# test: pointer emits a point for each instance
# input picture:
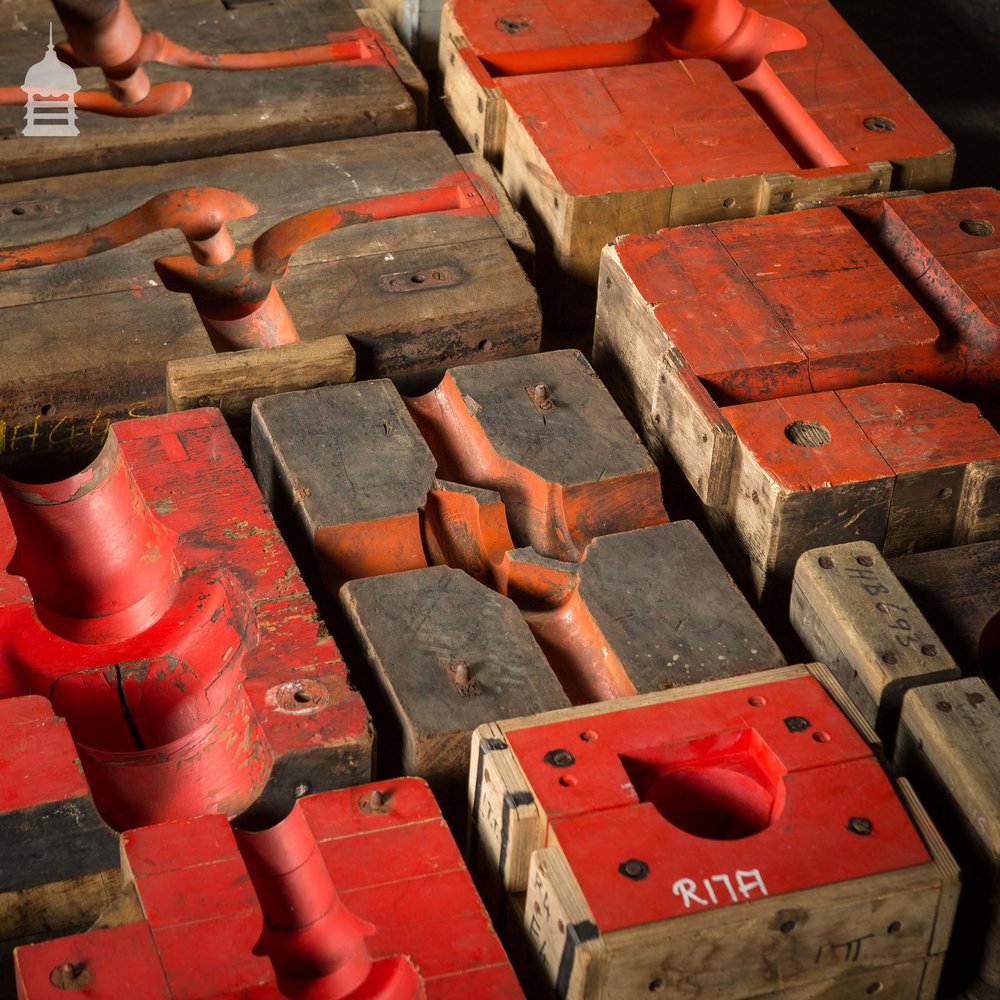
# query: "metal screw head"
(634, 869)
(976, 227)
(559, 758)
(513, 25)
(71, 976)
(376, 802)
(825, 562)
(879, 123)
(861, 825)
(797, 723)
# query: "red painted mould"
(684, 91)
(162, 615)
(384, 846)
(716, 795)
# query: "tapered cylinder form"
(309, 934)
(99, 564)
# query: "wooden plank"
(231, 382)
(228, 111)
(413, 295)
(854, 615)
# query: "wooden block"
(378, 91)
(448, 655)
(947, 746)
(394, 865)
(231, 382)
(569, 98)
(632, 881)
(776, 369)
(855, 616)
(58, 858)
(412, 295)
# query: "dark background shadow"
(946, 53)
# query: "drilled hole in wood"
(976, 227)
(807, 434)
(47, 409)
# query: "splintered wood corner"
(498, 544)
(378, 91)
(818, 377)
(394, 866)
(298, 724)
(401, 297)
(606, 121)
(620, 834)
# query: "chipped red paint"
(141, 657)
(158, 611)
(395, 866)
(233, 288)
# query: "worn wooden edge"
(57, 907)
(404, 67)
(232, 381)
(511, 224)
(625, 962)
(561, 931)
(925, 173)
(791, 192)
(826, 610)
(956, 764)
(836, 691)
(944, 862)
(656, 388)
(476, 106)
(506, 824)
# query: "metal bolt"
(797, 723)
(462, 672)
(861, 825)
(929, 650)
(559, 758)
(825, 562)
(879, 123)
(71, 976)
(976, 227)
(377, 798)
(890, 658)
(634, 869)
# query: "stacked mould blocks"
(479, 595)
